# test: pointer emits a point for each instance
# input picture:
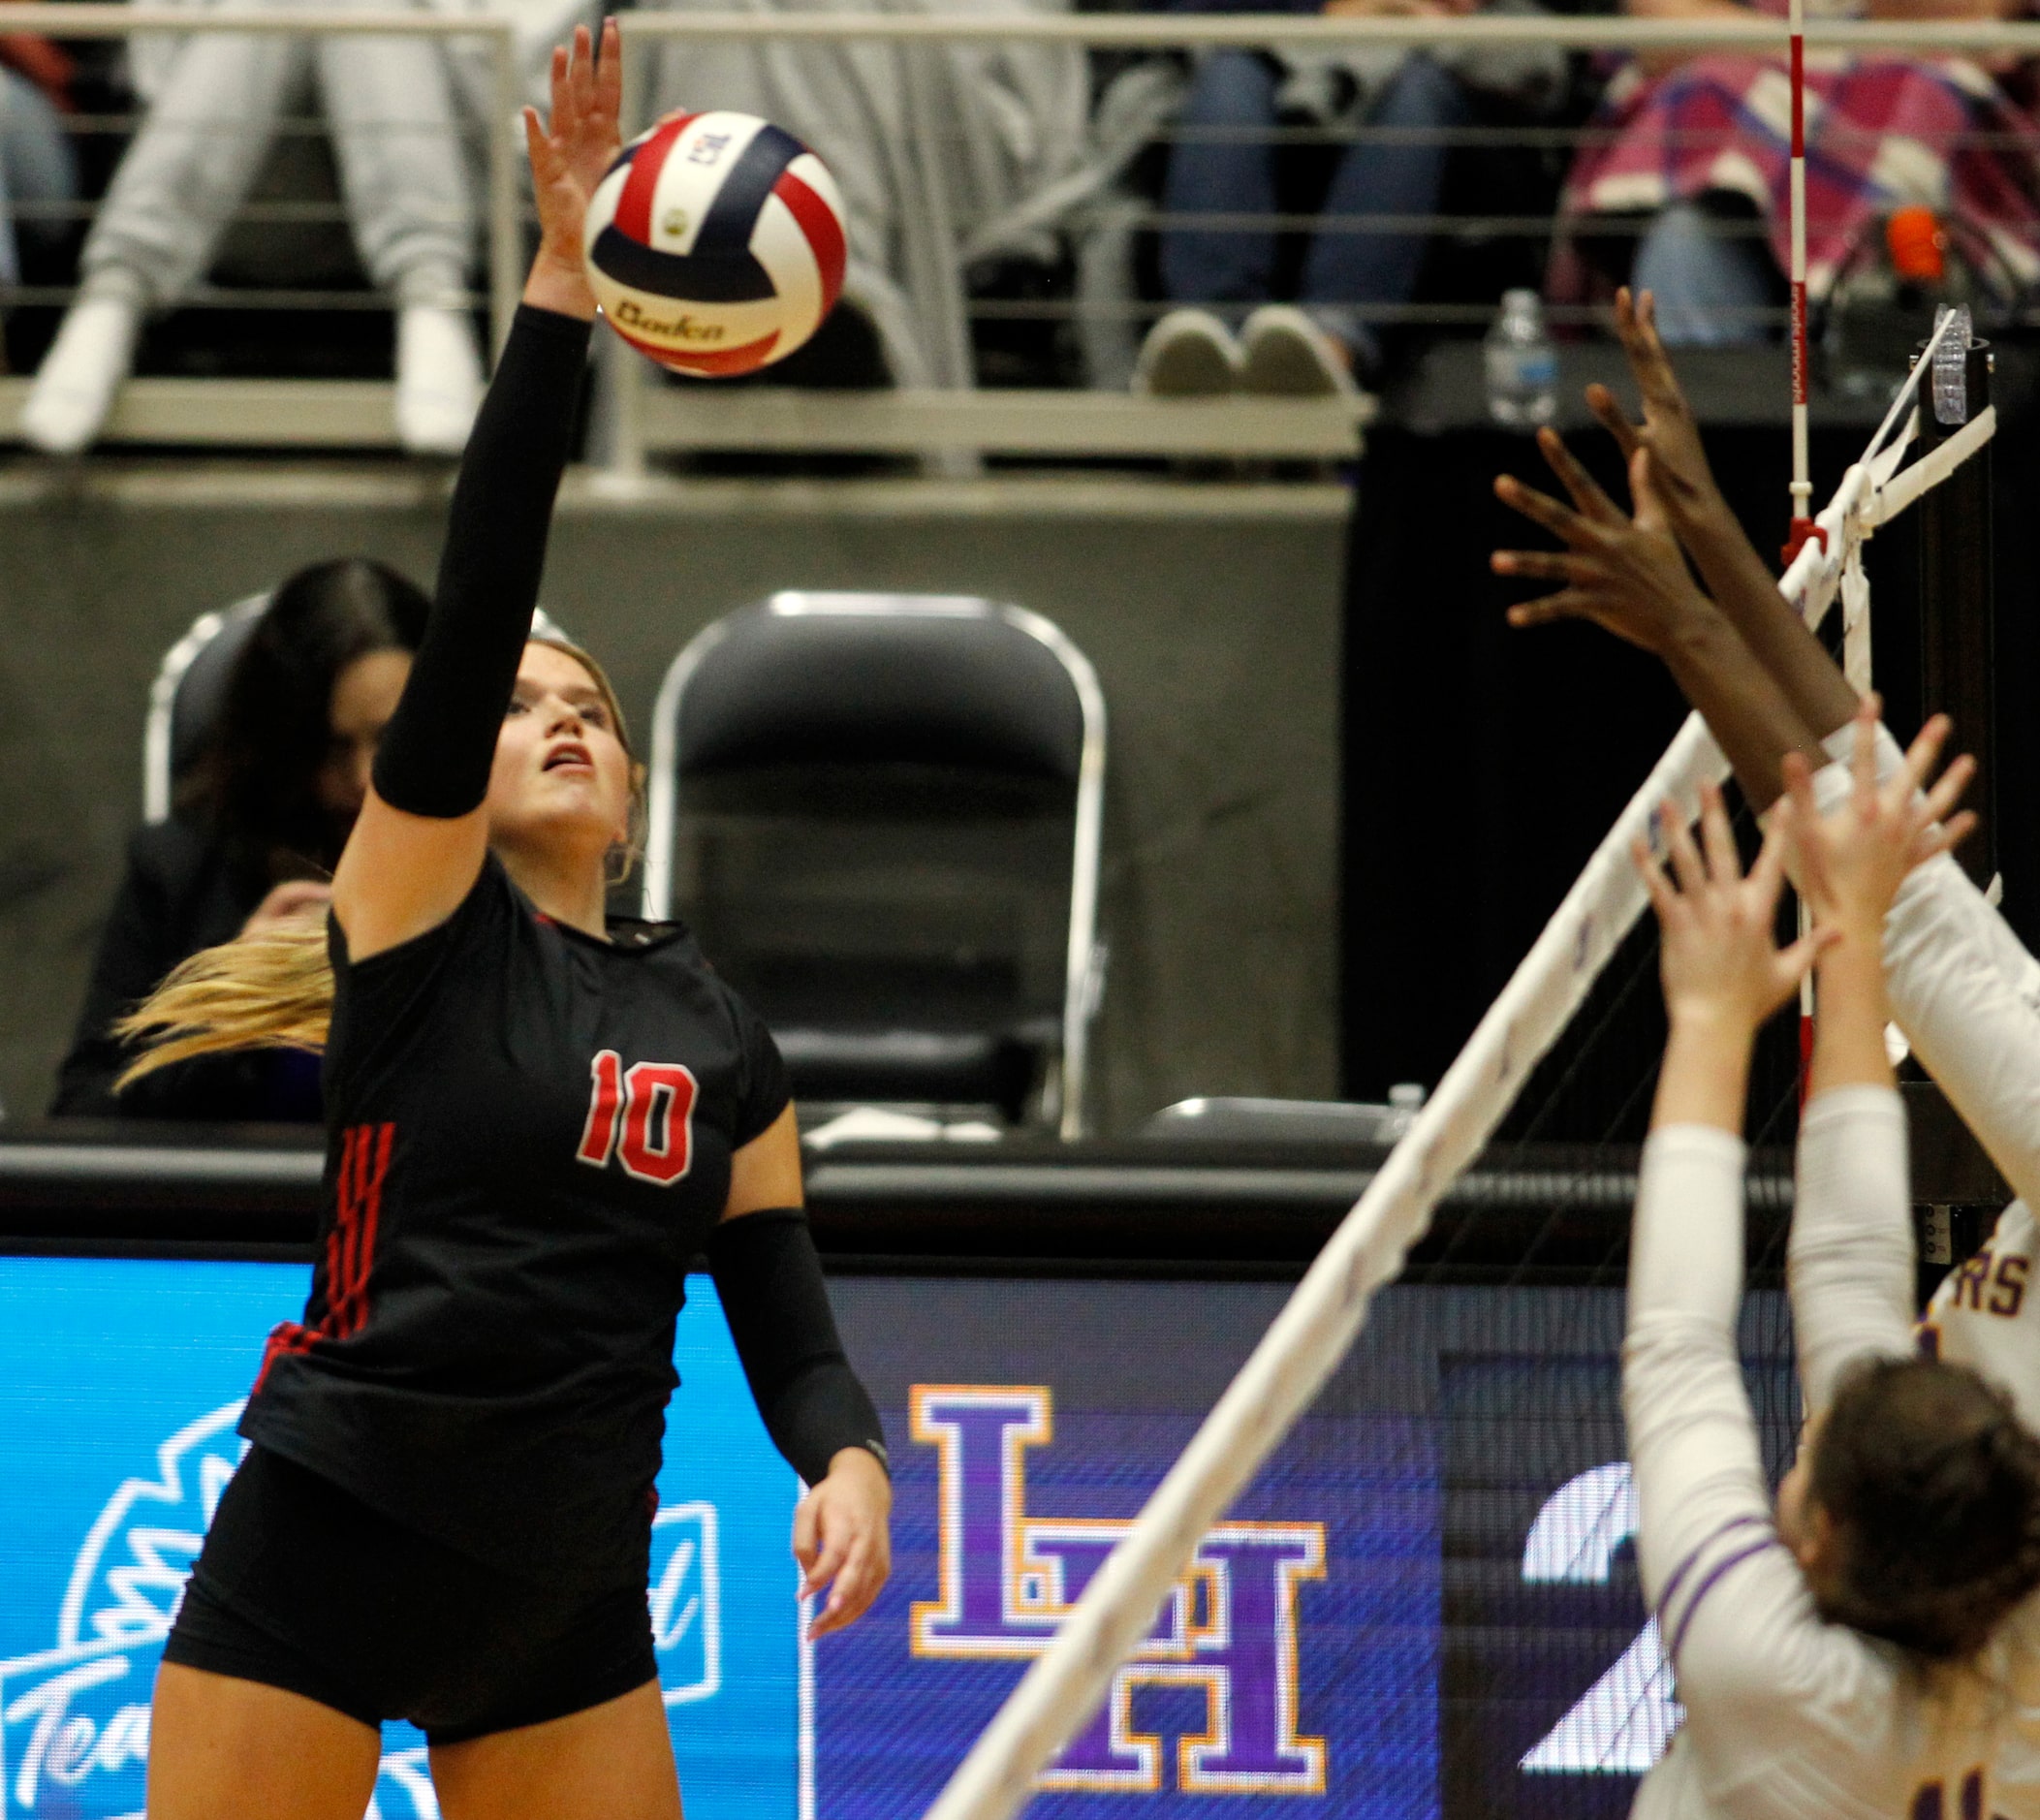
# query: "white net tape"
(1312, 1334)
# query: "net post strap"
(1308, 1340)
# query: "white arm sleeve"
(1850, 1261)
(1964, 989)
(1786, 1716)
(1692, 1439)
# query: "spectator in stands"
(397, 131)
(257, 830)
(1400, 106)
(37, 168)
(1700, 146)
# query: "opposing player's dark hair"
(1933, 1485)
(256, 784)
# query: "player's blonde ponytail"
(271, 988)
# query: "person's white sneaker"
(438, 379)
(1189, 354)
(1285, 355)
(83, 372)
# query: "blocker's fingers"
(1569, 602)
(1863, 759)
(1767, 877)
(1924, 752)
(1686, 855)
(1608, 414)
(1655, 886)
(1723, 863)
(1536, 565)
(1540, 507)
(1637, 330)
(1585, 491)
(1956, 830)
(1948, 791)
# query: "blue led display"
(1397, 1619)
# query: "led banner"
(1425, 1605)
(120, 1383)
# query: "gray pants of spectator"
(390, 105)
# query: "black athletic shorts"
(302, 1587)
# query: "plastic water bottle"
(1522, 363)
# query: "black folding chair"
(882, 814)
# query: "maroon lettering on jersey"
(598, 1137)
(658, 1122)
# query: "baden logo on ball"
(716, 243)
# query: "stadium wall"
(1213, 613)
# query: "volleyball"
(716, 243)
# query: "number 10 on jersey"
(642, 1115)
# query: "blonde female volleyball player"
(1833, 1653)
(536, 1119)
(1964, 989)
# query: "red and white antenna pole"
(1803, 526)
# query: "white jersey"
(1789, 1718)
(1967, 995)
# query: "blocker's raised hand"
(1720, 962)
(572, 150)
(1685, 481)
(1625, 574)
(1851, 861)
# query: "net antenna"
(1802, 525)
(1303, 1345)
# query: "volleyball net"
(1591, 957)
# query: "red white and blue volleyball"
(716, 243)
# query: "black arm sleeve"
(435, 755)
(769, 1277)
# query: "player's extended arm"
(1851, 1254)
(1625, 574)
(1961, 987)
(1739, 580)
(817, 1411)
(417, 845)
(1692, 1439)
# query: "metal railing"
(642, 417)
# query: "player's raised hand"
(1686, 481)
(1850, 863)
(1623, 573)
(570, 152)
(1717, 953)
(843, 1539)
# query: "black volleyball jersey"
(530, 1138)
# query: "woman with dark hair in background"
(258, 828)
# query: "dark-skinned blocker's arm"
(1627, 575)
(1737, 576)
